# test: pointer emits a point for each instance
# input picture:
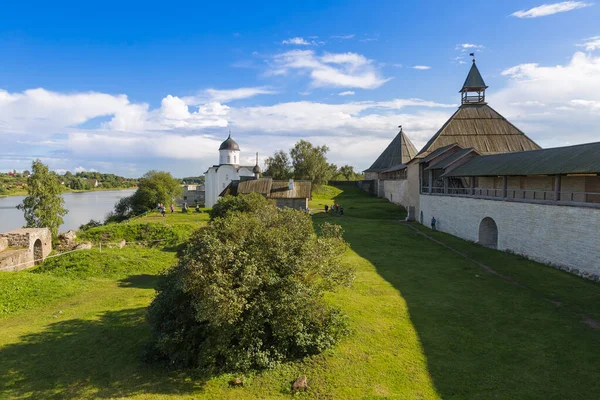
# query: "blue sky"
(124, 87)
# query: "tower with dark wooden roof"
(475, 124)
(399, 151)
(473, 90)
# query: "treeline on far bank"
(16, 182)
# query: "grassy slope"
(426, 324)
(62, 277)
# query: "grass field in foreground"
(427, 324)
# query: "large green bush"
(248, 293)
(241, 203)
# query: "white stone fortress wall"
(396, 191)
(563, 236)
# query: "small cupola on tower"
(229, 152)
(473, 90)
(256, 170)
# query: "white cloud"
(347, 93)
(132, 137)
(549, 9)
(464, 47)
(224, 96)
(83, 169)
(350, 70)
(45, 111)
(591, 44)
(298, 41)
(343, 37)
(556, 104)
(592, 105)
(422, 67)
(369, 38)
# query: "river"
(82, 207)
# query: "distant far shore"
(24, 192)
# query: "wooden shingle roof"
(269, 188)
(474, 80)
(481, 127)
(280, 190)
(399, 151)
(579, 159)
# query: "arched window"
(229, 159)
(235, 159)
(488, 233)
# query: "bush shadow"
(99, 358)
(142, 281)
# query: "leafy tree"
(348, 172)
(43, 206)
(242, 203)
(278, 166)
(247, 293)
(153, 188)
(310, 162)
(198, 180)
(80, 184)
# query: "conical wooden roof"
(399, 151)
(474, 81)
(479, 126)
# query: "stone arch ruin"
(24, 248)
(38, 252)
(488, 233)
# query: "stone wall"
(26, 246)
(192, 197)
(396, 191)
(562, 236)
(369, 186)
(15, 260)
(298, 204)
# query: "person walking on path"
(433, 221)
(172, 208)
(326, 208)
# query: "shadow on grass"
(143, 281)
(87, 358)
(483, 337)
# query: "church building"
(229, 169)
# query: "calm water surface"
(82, 207)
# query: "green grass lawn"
(191, 217)
(356, 203)
(426, 324)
